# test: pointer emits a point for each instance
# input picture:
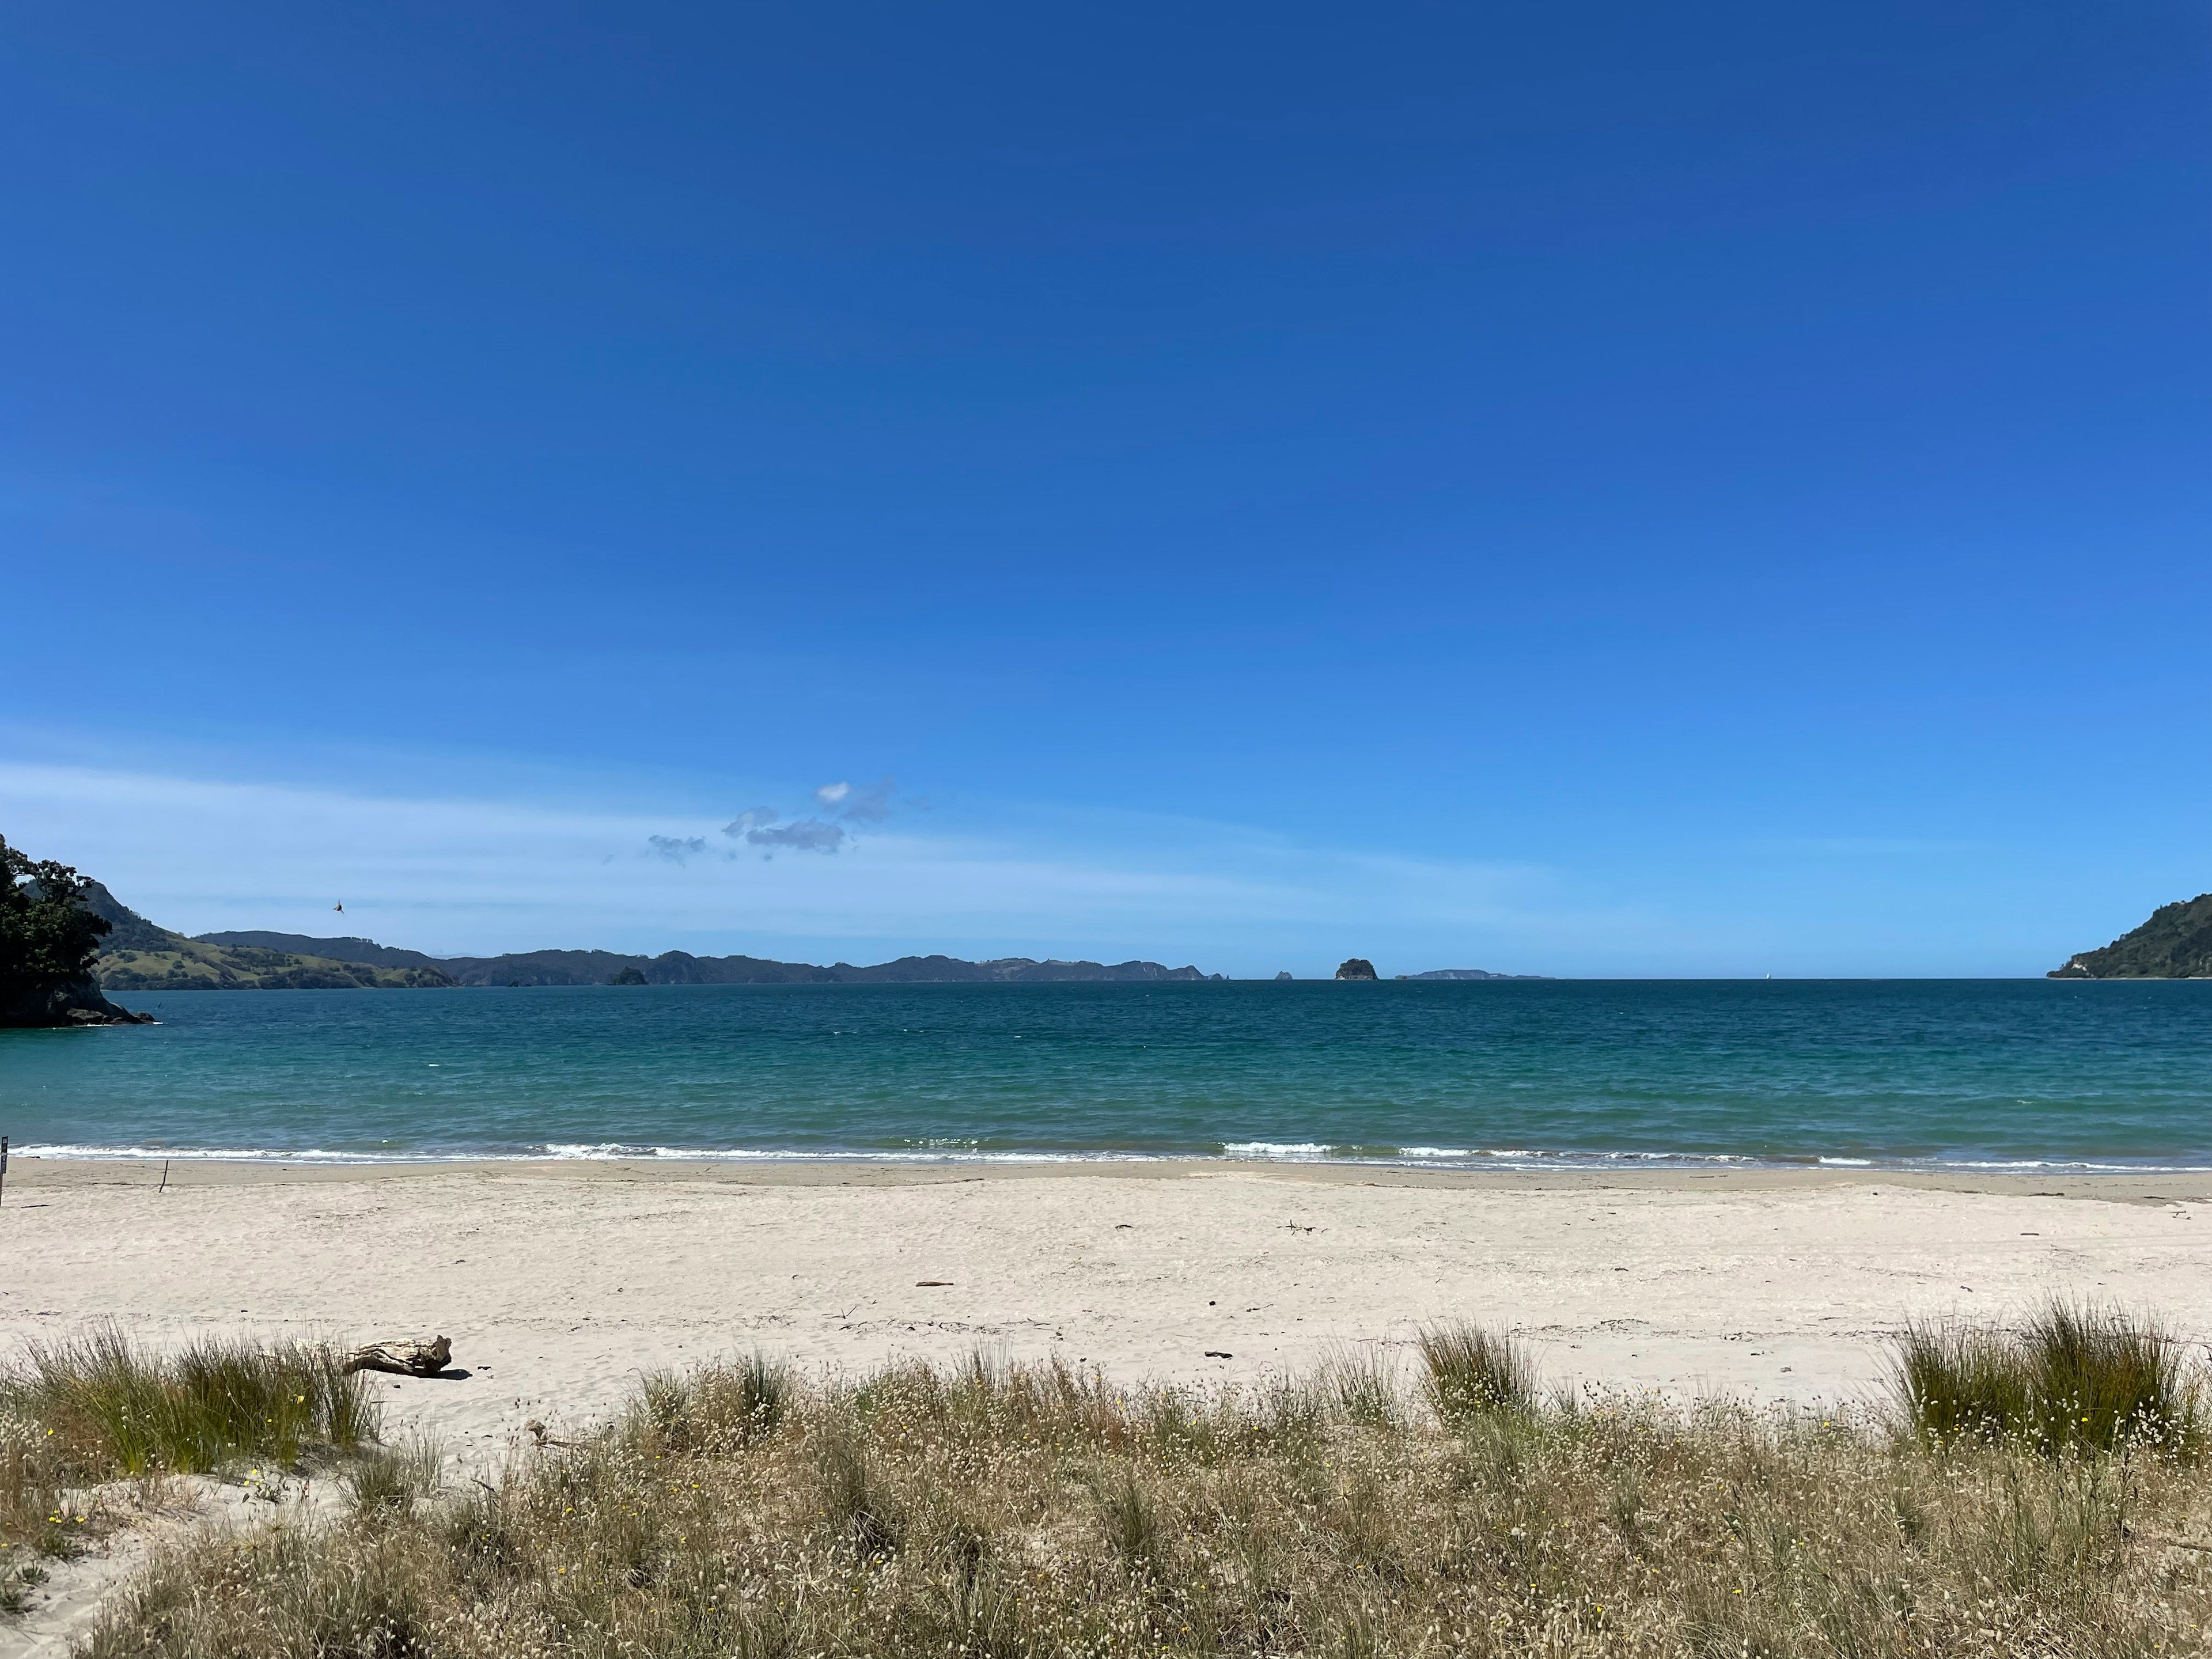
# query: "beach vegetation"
(1471, 1372)
(387, 1480)
(92, 1428)
(2071, 1375)
(117, 1409)
(994, 1508)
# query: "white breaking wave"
(1297, 1151)
(245, 1155)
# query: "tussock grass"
(76, 1414)
(720, 1406)
(386, 1481)
(1472, 1372)
(1001, 1510)
(2073, 1376)
(123, 1410)
(1363, 1384)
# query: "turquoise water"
(1984, 1073)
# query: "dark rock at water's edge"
(2176, 943)
(630, 977)
(1469, 973)
(1355, 967)
(76, 1004)
(1284, 977)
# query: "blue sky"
(1586, 489)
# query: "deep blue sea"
(1981, 1073)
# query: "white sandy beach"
(559, 1283)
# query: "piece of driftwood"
(404, 1358)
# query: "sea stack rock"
(1355, 967)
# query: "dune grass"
(998, 1509)
(2073, 1376)
(1469, 1373)
(75, 1415)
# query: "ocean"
(1986, 1074)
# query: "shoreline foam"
(1233, 1155)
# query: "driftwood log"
(404, 1358)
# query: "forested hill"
(2176, 943)
(138, 955)
(681, 968)
(364, 950)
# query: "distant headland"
(1469, 973)
(138, 955)
(2176, 943)
(527, 967)
(127, 953)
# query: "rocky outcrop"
(77, 1004)
(50, 934)
(1355, 967)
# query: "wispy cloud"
(844, 806)
(760, 826)
(676, 849)
(807, 836)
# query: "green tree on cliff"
(47, 936)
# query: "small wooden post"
(4, 1166)
(164, 1187)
